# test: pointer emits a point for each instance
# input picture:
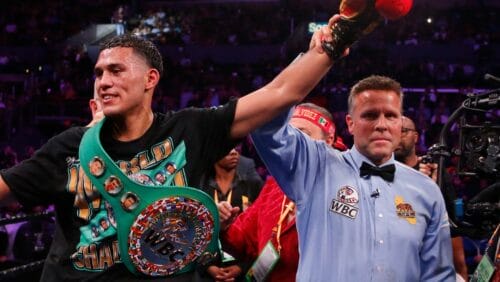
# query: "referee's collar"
(359, 158)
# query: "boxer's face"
(375, 123)
(129, 202)
(104, 224)
(95, 167)
(170, 168)
(160, 177)
(121, 80)
(115, 183)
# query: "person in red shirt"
(271, 218)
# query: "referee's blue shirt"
(353, 228)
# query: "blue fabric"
(353, 228)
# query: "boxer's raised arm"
(286, 89)
(328, 44)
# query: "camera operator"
(406, 153)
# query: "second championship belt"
(162, 230)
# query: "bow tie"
(386, 172)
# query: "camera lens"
(475, 143)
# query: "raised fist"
(357, 18)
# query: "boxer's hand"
(357, 18)
(227, 214)
(324, 34)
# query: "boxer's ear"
(152, 78)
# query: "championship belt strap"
(162, 230)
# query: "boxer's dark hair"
(142, 47)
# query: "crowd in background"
(52, 95)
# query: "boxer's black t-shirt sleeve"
(39, 180)
(212, 127)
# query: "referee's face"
(375, 123)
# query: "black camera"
(479, 149)
(433, 154)
(479, 158)
(426, 159)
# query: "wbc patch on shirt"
(405, 210)
(346, 202)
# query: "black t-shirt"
(54, 176)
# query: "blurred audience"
(41, 98)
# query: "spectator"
(120, 19)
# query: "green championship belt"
(162, 230)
